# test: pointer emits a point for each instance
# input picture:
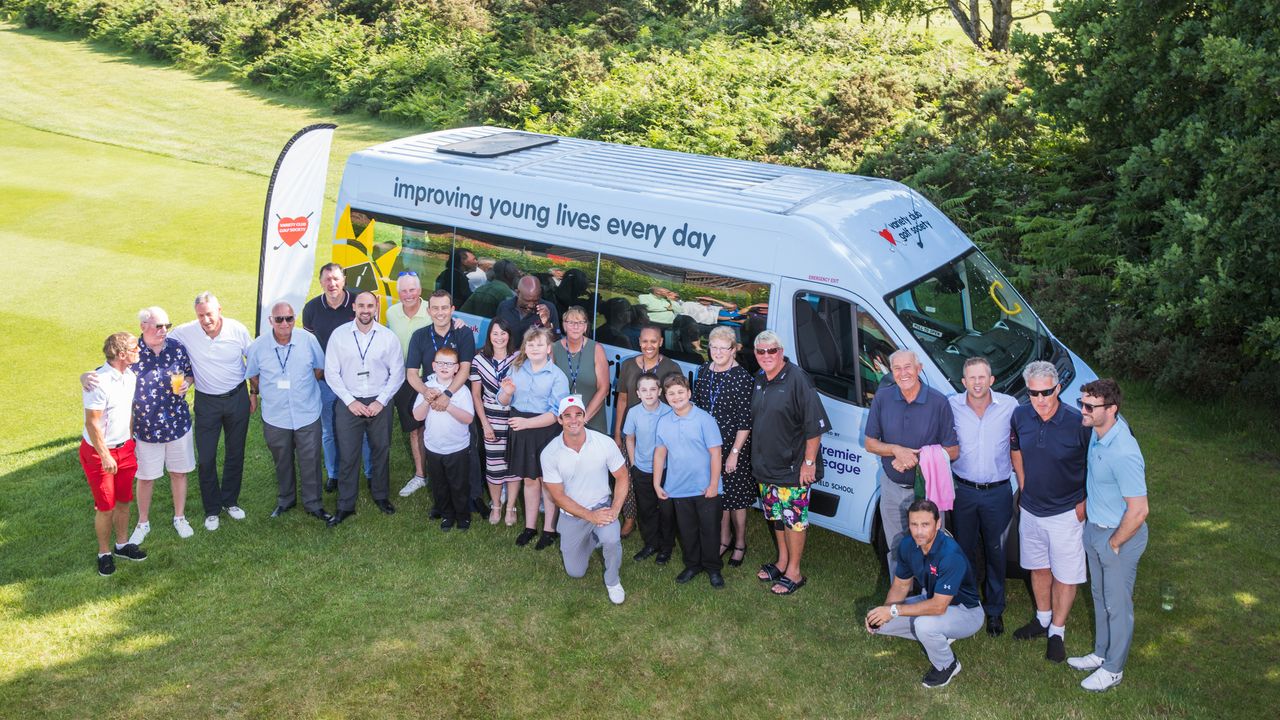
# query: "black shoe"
(687, 574)
(939, 678)
(322, 514)
(446, 524)
(1056, 651)
(385, 506)
(339, 516)
(525, 536)
(331, 485)
(995, 625)
(717, 580)
(479, 506)
(547, 540)
(663, 557)
(435, 514)
(1031, 631)
(645, 553)
(280, 510)
(737, 562)
(130, 552)
(106, 565)
(464, 524)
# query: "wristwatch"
(808, 463)
(893, 611)
(448, 393)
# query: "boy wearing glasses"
(1048, 449)
(447, 437)
(284, 367)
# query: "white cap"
(571, 401)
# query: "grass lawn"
(124, 184)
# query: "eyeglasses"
(162, 326)
(1042, 393)
(410, 273)
(575, 323)
(283, 318)
(768, 351)
(718, 348)
(1090, 407)
(443, 363)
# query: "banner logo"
(291, 230)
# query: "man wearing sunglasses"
(1049, 447)
(1116, 534)
(285, 366)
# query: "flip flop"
(771, 570)
(789, 586)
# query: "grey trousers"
(579, 538)
(305, 442)
(1111, 579)
(894, 501)
(349, 430)
(933, 631)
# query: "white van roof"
(860, 213)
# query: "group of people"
(524, 415)
(1082, 502)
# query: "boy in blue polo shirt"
(947, 609)
(657, 518)
(688, 456)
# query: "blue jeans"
(327, 399)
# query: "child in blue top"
(687, 456)
(657, 517)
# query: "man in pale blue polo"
(984, 499)
(285, 366)
(1115, 534)
(905, 417)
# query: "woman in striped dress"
(488, 368)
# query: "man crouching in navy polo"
(947, 610)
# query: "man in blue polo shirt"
(1116, 534)
(905, 417)
(947, 608)
(1048, 448)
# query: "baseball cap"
(571, 401)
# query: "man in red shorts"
(106, 452)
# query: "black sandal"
(772, 571)
(737, 562)
(789, 586)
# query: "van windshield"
(966, 308)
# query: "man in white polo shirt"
(575, 469)
(106, 450)
(217, 346)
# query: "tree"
(993, 33)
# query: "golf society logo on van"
(905, 230)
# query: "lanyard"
(365, 350)
(714, 385)
(289, 352)
(574, 361)
(436, 348)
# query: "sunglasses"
(1090, 407)
(283, 318)
(162, 326)
(1042, 393)
(410, 273)
(768, 351)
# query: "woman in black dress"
(723, 388)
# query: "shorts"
(788, 504)
(108, 490)
(403, 401)
(176, 456)
(1055, 543)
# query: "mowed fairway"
(124, 184)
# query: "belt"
(978, 486)
(1105, 527)
(117, 447)
(226, 394)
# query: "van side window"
(843, 348)
(685, 302)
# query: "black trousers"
(450, 483)
(656, 517)
(698, 519)
(349, 431)
(216, 416)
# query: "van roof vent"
(497, 145)
(791, 188)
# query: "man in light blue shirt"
(1115, 535)
(984, 498)
(285, 366)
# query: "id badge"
(282, 384)
(362, 384)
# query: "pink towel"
(936, 468)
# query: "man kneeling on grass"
(576, 467)
(948, 609)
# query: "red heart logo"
(291, 230)
(888, 236)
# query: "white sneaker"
(1086, 662)
(416, 483)
(211, 523)
(140, 533)
(183, 527)
(1101, 680)
(616, 593)
(235, 512)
